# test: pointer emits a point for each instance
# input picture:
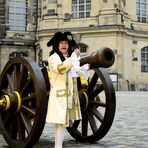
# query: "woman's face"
(63, 47)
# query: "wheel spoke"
(97, 114)
(92, 122)
(21, 128)
(29, 111)
(26, 86)
(84, 124)
(23, 77)
(98, 103)
(26, 122)
(16, 76)
(97, 90)
(92, 82)
(10, 82)
(29, 98)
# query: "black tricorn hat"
(59, 36)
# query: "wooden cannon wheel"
(23, 94)
(98, 105)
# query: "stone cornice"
(17, 42)
(101, 28)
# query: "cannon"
(24, 93)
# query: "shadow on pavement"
(44, 143)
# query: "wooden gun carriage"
(24, 92)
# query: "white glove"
(76, 70)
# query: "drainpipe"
(36, 29)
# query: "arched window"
(144, 59)
(18, 53)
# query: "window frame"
(18, 8)
(144, 59)
(81, 8)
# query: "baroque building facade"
(17, 29)
(118, 24)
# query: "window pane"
(11, 4)
(81, 8)
(146, 62)
(74, 15)
(143, 1)
(144, 59)
(88, 7)
(146, 49)
(138, 12)
(12, 9)
(87, 14)
(74, 8)
(143, 19)
(143, 6)
(138, 5)
(74, 1)
(142, 55)
(88, 1)
(143, 13)
(81, 1)
(81, 14)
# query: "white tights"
(59, 136)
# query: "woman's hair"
(55, 40)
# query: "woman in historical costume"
(64, 66)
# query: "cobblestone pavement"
(129, 129)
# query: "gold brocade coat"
(63, 102)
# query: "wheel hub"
(11, 101)
(84, 101)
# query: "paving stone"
(129, 129)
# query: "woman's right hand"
(77, 52)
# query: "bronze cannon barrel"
(103, 57)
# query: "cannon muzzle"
(103, 57)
